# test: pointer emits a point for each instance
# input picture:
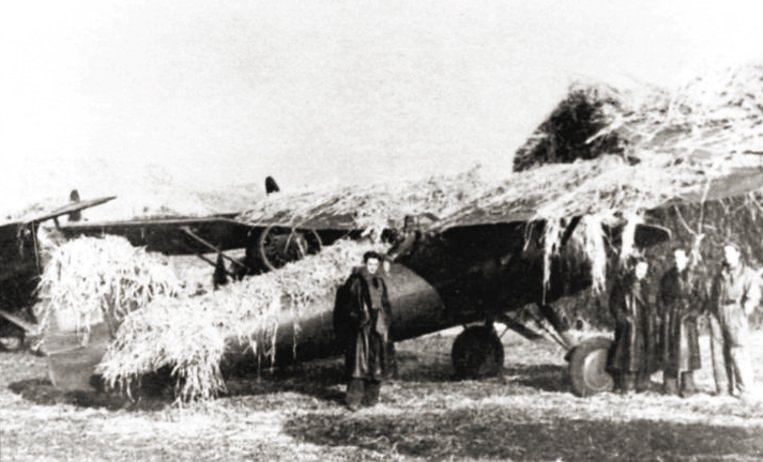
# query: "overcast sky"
(227, 92)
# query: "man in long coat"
(734, 295)
(634, 355)
(368, 315)
(680, 304)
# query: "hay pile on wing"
(710, 116)
(613, 155)
(92, 279)
(374, 206)
(568, 133)
(189, 334)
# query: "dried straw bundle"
(90, 279)
(570, 132)
(189, 335)
(666, 144)
(711, 116)
(375, 206)
(613, 156)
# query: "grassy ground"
(527, 414)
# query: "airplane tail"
(271, 186)
(77, 214)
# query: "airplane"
(487, 266)
(22, 264)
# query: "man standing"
(679, 301)
(369, 318)
(734, 295)
(633, 353)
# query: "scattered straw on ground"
(528, 414)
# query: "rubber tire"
(11, 333)
(477, 352)
(587, 368)
(269, 266)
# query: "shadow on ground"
(497, 434)
(545, 377)
(319, 378)
(42, 392)
(322, 379)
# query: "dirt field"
(527, 414)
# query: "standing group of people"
(661, 332)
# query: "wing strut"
(518, 327)
(212, 247)
(28, 327)
(209, 260)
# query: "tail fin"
(74, 198)
(271, 186)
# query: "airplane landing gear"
(278, 246)
(588, 367)
(11, 336)
(477, 352)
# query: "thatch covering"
(374, 206)
(713, 115)
(189, 334)
(93, 279)
(570, 131)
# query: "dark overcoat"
(636, 347)
(363, 328)
(680, 305)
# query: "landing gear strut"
(477, 352)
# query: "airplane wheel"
(11, 336)
(588, 367)
(278, 246)
(477, 352)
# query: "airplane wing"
(195, 235)
(70, 208)
(733, 183)
(18, 239)
(231, 231)
(646, 235)
(172, 236)
(321, 221)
